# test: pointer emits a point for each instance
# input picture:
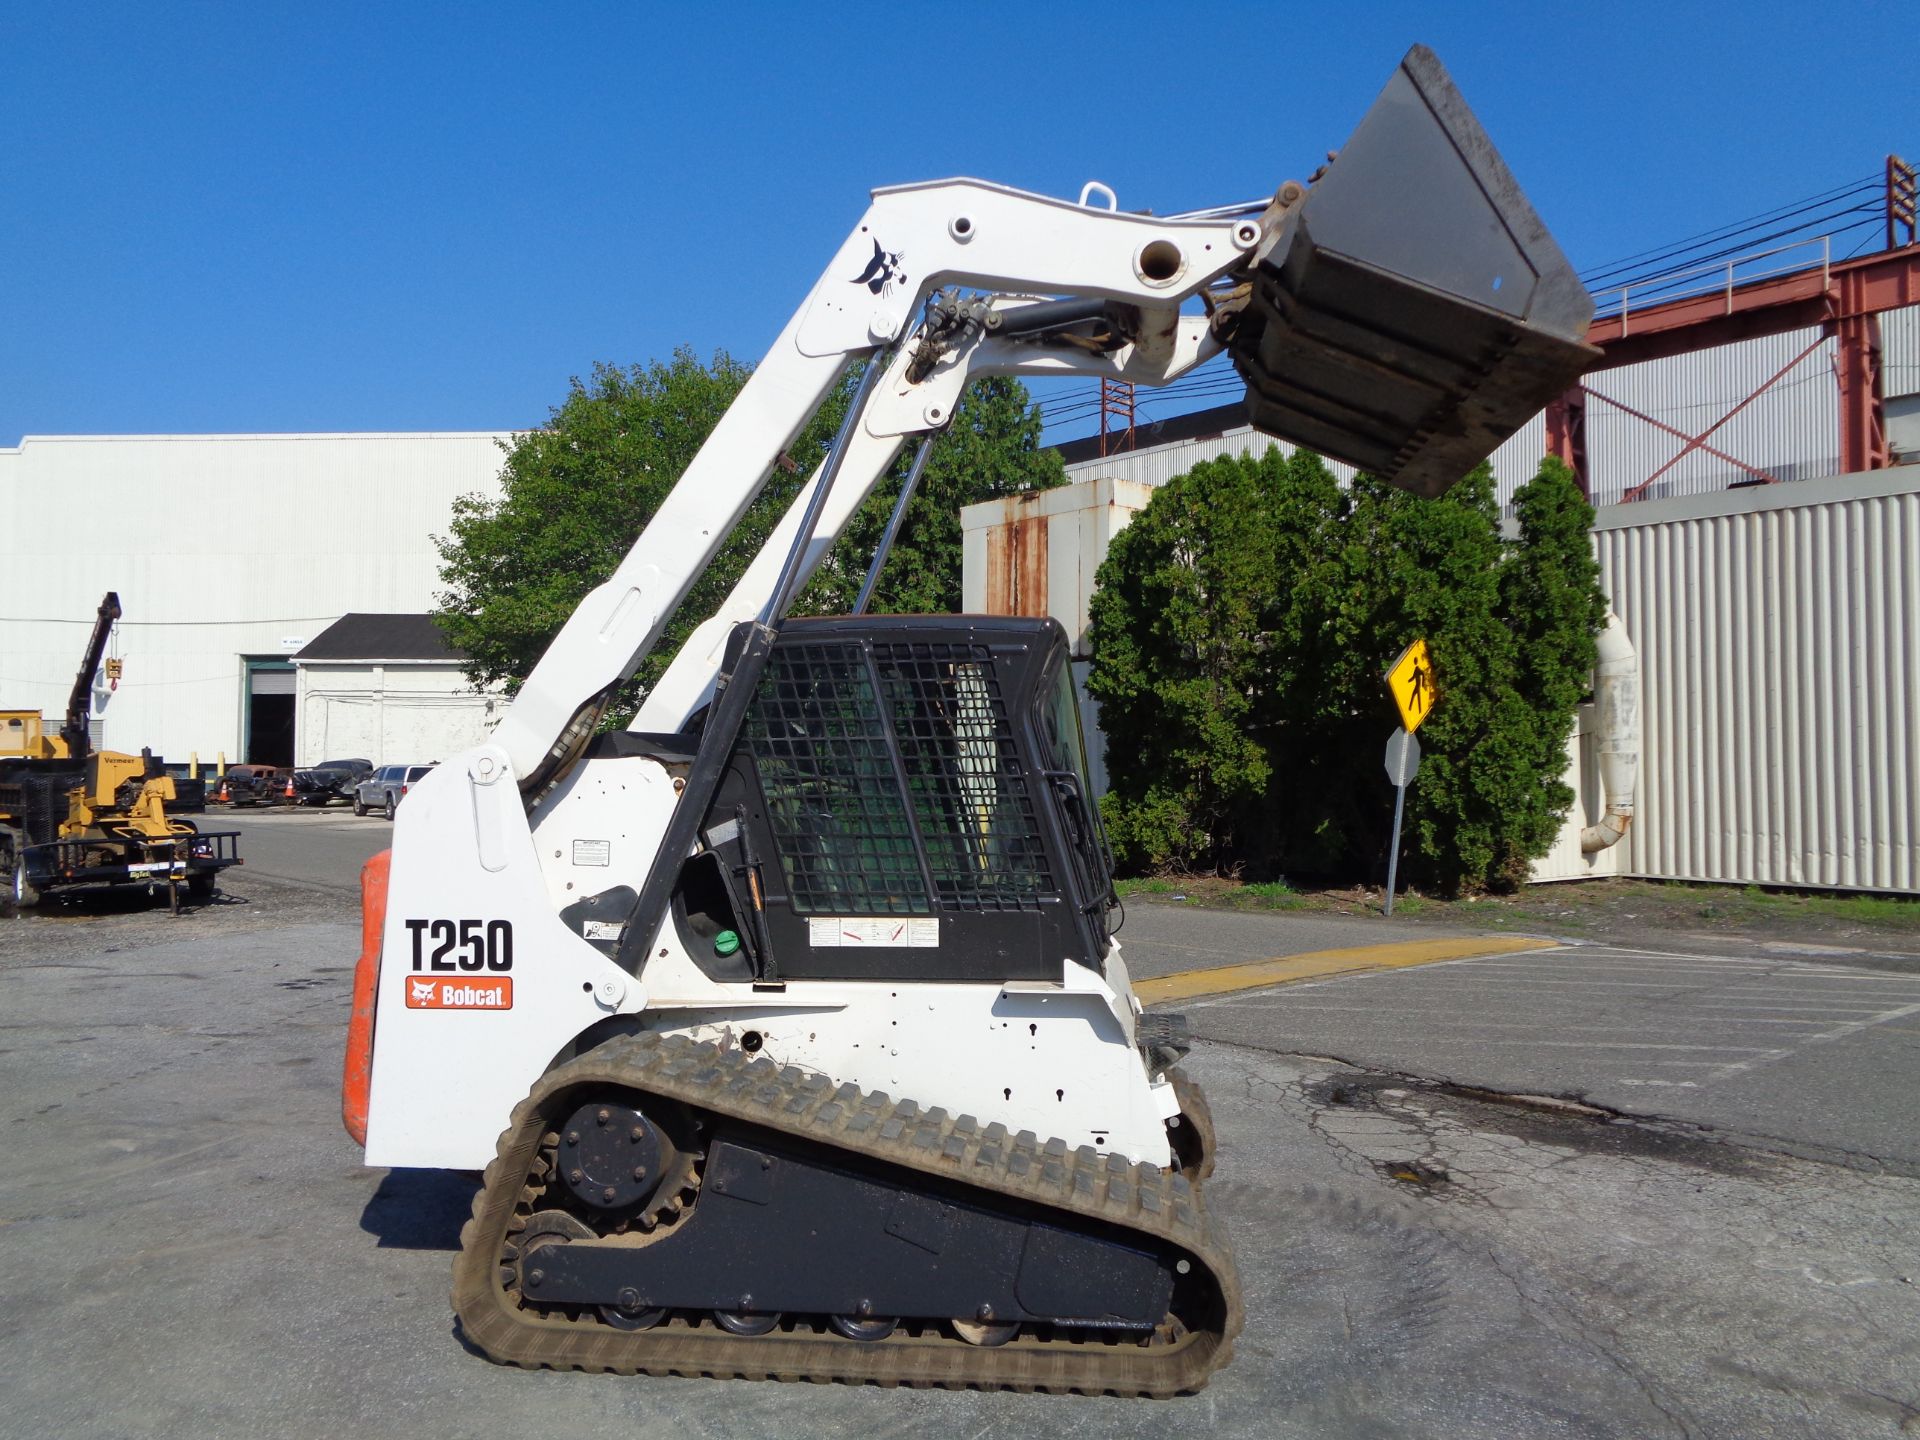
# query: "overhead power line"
(1763, 218)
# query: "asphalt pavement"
(1821, 1058)
(1160, 938)
(190, 1246)
(305, 846)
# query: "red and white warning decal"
(488, 992)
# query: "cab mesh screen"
(892, 780)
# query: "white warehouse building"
(231, 554)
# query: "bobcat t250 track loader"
(797, 1000)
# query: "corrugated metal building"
(230, 553)
(1778, 630)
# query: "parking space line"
(1642, 985)
(1636, 970)
(1838, 1032)
(1629, 1045)
(1853, 979)
(1744, 1004)
(1318, 964)
(1386, 1015)
(1815, 1001)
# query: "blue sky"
(415, 217)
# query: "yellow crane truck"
(71, 815)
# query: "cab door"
(1070, 785)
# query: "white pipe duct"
(1616, 697)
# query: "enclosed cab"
(919, 785)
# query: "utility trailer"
(136, 839)
(72, 815)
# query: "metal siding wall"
(1792, 430)
(1781, 692)
(1900, 350)
(1518, 460)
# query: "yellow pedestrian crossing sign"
(1410, 678)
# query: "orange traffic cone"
(223, 797)
(289, 790)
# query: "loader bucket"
(1411, 312)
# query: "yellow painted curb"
(1317, 964)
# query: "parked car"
(329, 780)
(386, 788)
(253, 784)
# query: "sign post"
(1403, 763)
(1410, 682)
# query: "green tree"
(1238, 660)
(1185, 606)
(991, 449)
(1550, 597)
(575, 493)
(1434, 570)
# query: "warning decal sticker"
(824, 931)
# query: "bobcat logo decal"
(881, 272)
(423, 991)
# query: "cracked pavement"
(1816, 1057)
(188, 1243)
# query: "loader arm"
(913, 240)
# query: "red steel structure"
(1116, 418)
(1842, 298)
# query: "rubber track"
(1195, 1111)
(1159, 1204)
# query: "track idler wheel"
(855, 1327)
(742, 1322)
(983, 1333)
(632, 1316)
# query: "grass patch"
(1589, 907)
(1152, 885)
(1891, 912)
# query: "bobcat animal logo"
(423, 990)
(882, 270)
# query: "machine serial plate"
(899, 931)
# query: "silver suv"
(385, 788)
